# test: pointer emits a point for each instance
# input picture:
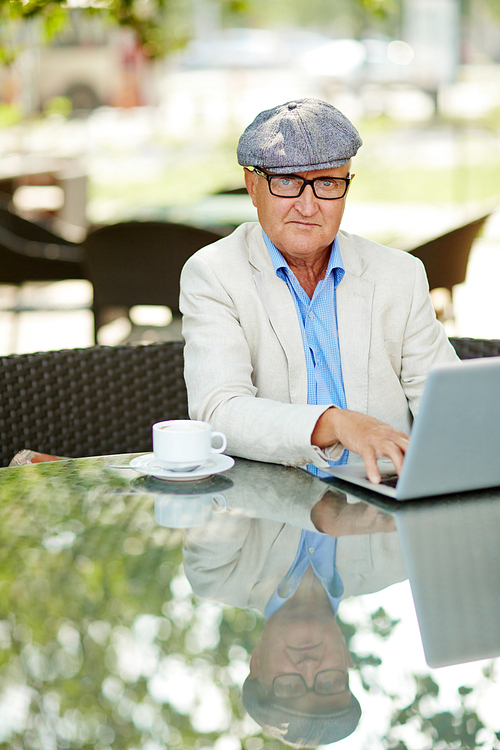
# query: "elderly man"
(305, 344)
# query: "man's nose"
(306, 203)
(308, 668)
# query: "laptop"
(455, 439)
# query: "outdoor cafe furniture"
(102, 399)
(446, 257)
(139, 263)
(91, 401)
(104, 644)
(29, 252)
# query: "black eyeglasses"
(291, 185)
(327, 682)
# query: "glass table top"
(142, 613)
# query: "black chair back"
(467, 348)
(446, 257)
(88, 402)
(139, 263)
(29, 252)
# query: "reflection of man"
(264, 551)
(298, 686)
(301, 340)
(241, 556)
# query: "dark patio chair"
(233, 191)
(29, 252)
(446, 257)
(87, 402)
(139, 263)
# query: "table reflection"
(105, 643)
(283, 544)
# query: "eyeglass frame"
(305, 182)
(313, 689)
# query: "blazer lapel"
(354, 309)
(283, 317)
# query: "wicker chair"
(103, 400)
(87, 402)
(474, 348)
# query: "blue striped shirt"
(319, 551)
(325, 385)
(318, 324)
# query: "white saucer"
(147, 464)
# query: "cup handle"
(224, 442)
(219, 502)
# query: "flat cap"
(298, 728)
(298, 136)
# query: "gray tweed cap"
(298, 136)
(296, 728)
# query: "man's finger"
(397, 453)
(372, 470)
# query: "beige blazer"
(241, 561)
(245, 368)
(242, 554)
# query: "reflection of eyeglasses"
(327, 682)
(291, 185)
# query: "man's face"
(298, 642)
(301, 228)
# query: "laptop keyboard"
(390, 480)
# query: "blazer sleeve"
(239, 560)
(221, 378)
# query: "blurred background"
(131, 110)
(128, 110)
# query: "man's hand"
(333, 515)
(362, 434)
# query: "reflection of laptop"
(450, 550)
(455, 438)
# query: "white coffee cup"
(184, 444)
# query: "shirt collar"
(335, 263)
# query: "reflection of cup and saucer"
(215, 483)
(187, 511)
(183, 505)
(184, 450)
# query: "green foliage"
(154, 22)
(94, 608)
(383, 625)
(54, 20)
(58, 105)
(102, 635)
(158, 26)
(10, 114)
(445, 730)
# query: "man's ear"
(250, 180)
(255, 663)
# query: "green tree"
(156, 22)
